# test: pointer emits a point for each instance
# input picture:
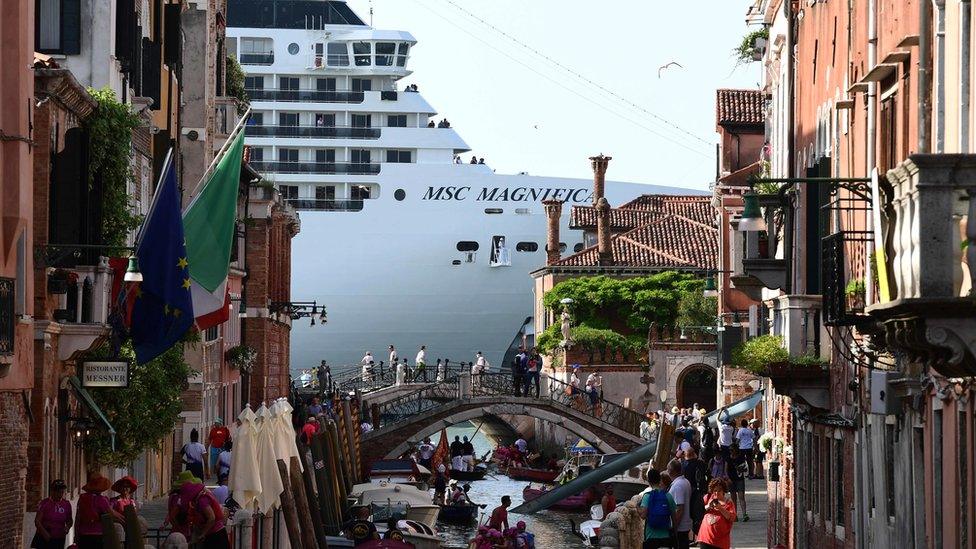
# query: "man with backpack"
(657, 508)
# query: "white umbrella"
(284, 431)
(271, 486)
(245, 481)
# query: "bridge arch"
(476, 412)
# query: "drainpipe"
(870, 152)
(924, 77)
(965, 84)
(790, 131)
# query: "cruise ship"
(404, 239)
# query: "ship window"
(253, 82)
(256, 51)
(456, 262)
(362, 51)
(325, 155)
(399, 194)
(288, 192)
(384, 54)
(326, 120)
(523, 211)
(396, 121)
(325, 84)
(256, 154)
(287, 118)
(362, 120)
(287, 155)
(398, 156)
(562, 247)
(288, 83)
(338, 54)
(526, 247)
(360, 156)
(578, 248)
(293, 48)
(403, 49)
(323, 192)
(467, 246)
(256, 119)
(359, 192)
(362, 84)
(494, 210)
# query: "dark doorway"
(697, 384)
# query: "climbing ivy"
(110, 133)
(235, 84)
(143, 413)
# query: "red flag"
(442, 453)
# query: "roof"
(668, 232)
(739, 107)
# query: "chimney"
(603, 231)
(599, 164)
(554, 209)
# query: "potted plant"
(757, 354)
(855, 295)
(57, 282)
(241, 357)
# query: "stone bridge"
(403, 422)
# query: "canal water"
(551, 528)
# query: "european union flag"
(162, 311)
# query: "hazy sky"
(522, 112)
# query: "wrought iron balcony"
(326, 204)
(848, 282)
(312, 96)
(333, 132)
(351, 168)
(930, 263)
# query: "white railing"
(796, 318)
(92, 293)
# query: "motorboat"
(589, 531)
(400, 500)
(530, 474)
(417, 534)
(398, 470)
(625, 485)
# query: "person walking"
(707, 441)
(718, 467)
(125, 487)
(218, 435)
(53, 518)
(533, 369)
(209, 530)
(716, 530)
(594, 388)
(648, 427)
(746, 438)
(499, 515)
(658, 509)
(439, 371)
(91, 506)
(760, 456)
(738, 466)
(394, 357)
(680, 490)
(726, 436)
(401, 373)
(518, 371)
(367, 365)
(194, 455)
(224, 460)
(696, 471)
(421, 364)
(480, 367)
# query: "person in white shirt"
(726, 435)
(696, 412)
(394, 358)
(401, 373)
(367, 363)
(746, 437)
(594, 383)
(480, 367)
(426, 451)
(421, 363)
(681, 492)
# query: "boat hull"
(578, 502)
(478, 474)
(458, 513)
(533, 475)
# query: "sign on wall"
(105, 373)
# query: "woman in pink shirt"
(207, 517)
(124, 487)
(53, 519)
(91, 506)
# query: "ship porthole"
(399, 194)
(293, 48)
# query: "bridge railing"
(417, 402)
(384, 376)
(557, 391)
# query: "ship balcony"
(347, 168)
(327, 204)
(311, 96)
(327, 132)
(257, 58)
(930, 263)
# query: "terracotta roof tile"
(739, 107)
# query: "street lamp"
(751, 219)
(132, 273)
(711, 289)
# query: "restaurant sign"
(105, 373)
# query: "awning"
(582, 447)
(86, 397)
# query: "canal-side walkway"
(752, 534)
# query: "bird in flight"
(668, 65)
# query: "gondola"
(478, 474)
(464, 513)
(534, 475)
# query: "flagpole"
(155, 199)
(220, 154)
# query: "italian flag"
(208, 225)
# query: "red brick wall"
(13, 467)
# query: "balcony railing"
(351, 168)
(847, 281)
(930, 262)
(257, 58)
(313, 96)
(326, 204)
(333, 132)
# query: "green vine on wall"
(110, 131)
(747, 50)
(143, 413)
(235, 84)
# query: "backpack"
(658, 511)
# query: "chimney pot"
(599, 164)
(603, 232)
(554, 210)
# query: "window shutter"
(173, 40)
(151, 72)
(71, 27)
(124, 26)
